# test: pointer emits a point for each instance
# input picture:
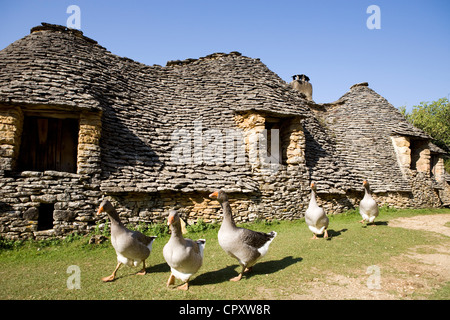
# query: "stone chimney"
(301, 83)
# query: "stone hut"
(78, 123)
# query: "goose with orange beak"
(247, 246)
(368, 207)
(184, 256)
(132, 247)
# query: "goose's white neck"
(177, 234)
(313, 201)
(227, 215)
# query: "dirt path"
(417, 272)
(435, 223)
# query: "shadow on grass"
(128, 272)
(272, 266)
(225, 274)
(375, 223)
(335, 233)
(217, 276)
(161, 267)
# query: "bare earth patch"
(435, 223)
(417, 272)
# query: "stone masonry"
(154, 138)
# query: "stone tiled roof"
(143, 105)
(52, 66)
(362, 122)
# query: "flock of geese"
(185, 256)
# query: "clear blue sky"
(407, 60)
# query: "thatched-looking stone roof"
(363, 123)
(142, 106)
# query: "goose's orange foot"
(171, 280)
(184, 287)
(237, 278)
(141, 273)
(109, 279)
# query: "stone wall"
(73, 196)
(334, 203)
(401, 146)
(11, 122)
(88, 155)
(445, 193)
(135, 208)
(74, 199)
(426, 181)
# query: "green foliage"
(150, 229)
(433, 118)
(8, 244)
(157, 229)
(201, 226)
(105, 231)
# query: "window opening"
(269, 126)
(49, 144)
(416, 146)
(45, 218)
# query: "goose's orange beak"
(170, 220)
(100, 210)
(364, 182)
(214, 195)
(312, 185)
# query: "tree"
(434, 119)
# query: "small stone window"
(267, 131)
(437, 167)
(49, 144)
(273, 129)
(420, 155)
(45, 218)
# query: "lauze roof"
(146, 108)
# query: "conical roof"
(363, 123)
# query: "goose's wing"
(255, 239)
(142, 238)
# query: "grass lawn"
(295, 267)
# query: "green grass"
(37, 270)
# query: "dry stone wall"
(73, 197)
(11, 122)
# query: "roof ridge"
(59, 28)
(211, 56)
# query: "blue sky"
(406, 61)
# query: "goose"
(368, 207)
(132, 247)
(245, 245)
(184, 256)
(315, 216)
